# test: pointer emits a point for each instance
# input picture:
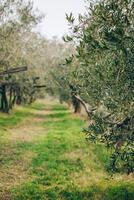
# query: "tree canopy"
(100, 75)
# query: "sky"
(54, 23)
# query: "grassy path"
(44, 156)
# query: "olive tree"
(104, 39)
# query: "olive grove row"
(25, 55)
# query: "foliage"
(102, 74)
(17, 18)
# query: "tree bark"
(86, 106)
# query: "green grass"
(16, 117)
(57, 163)
(36, 106)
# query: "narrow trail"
(45, 156)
